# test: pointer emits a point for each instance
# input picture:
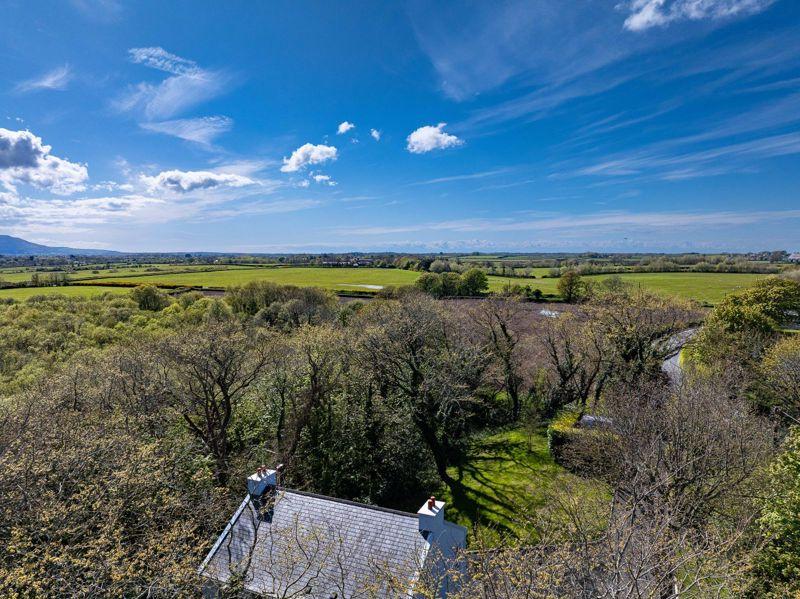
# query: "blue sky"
(538, 125)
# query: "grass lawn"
(23, 293)
(505, 474)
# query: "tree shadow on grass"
(489, 481)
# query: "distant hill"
(14, 246)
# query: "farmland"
(708, 288)
(704, 287)
(344, 279)
(23, 293)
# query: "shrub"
(561, 431)
(150, 297)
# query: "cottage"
(282, 542)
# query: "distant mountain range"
(14, 246)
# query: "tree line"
(128, 423)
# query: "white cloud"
(185, 181)
(57, 79)
(25, 159)
(308, 154)
(111, 186)
(376, 135)
(480, 175)
(429, 138)
(201, 130)
(344, 127)
(620, 220)
(158, 58)
(187, 86)
(654, 13)
(325, 179)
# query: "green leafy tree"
(451, 282)
(150, 297)
(430, 283)
(571, 287)
(473, 282)
(777, 568)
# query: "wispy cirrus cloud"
(464, 177)
(187, 86)
(623, 221)
(665, 161)
(201, 130)
(158, 58)
(55, 79)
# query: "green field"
(23, 293)
(344, 279)
(19, 275)
(709, 288)
(504, 475)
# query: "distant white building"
(795, 257)
(282, 542)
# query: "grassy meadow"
(704, 287)
(23, 293)
(340, 279)
(708, 288)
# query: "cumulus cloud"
(344, 127)
(645, 14)
(187, 86)
(57, 79)
(185, 181)
(25, 159)
(201, 130)
(308, 154)
(429, 138)
(376, 135)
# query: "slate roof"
(320, 543)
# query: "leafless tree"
(575, 356)
(429, 365)
(210, 369)
(496, 320)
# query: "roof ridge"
(350, 502)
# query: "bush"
(150, 297)
(560, 432)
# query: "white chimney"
(261, 480)
(431, 516)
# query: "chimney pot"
(431, 516)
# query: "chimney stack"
(431, 516)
